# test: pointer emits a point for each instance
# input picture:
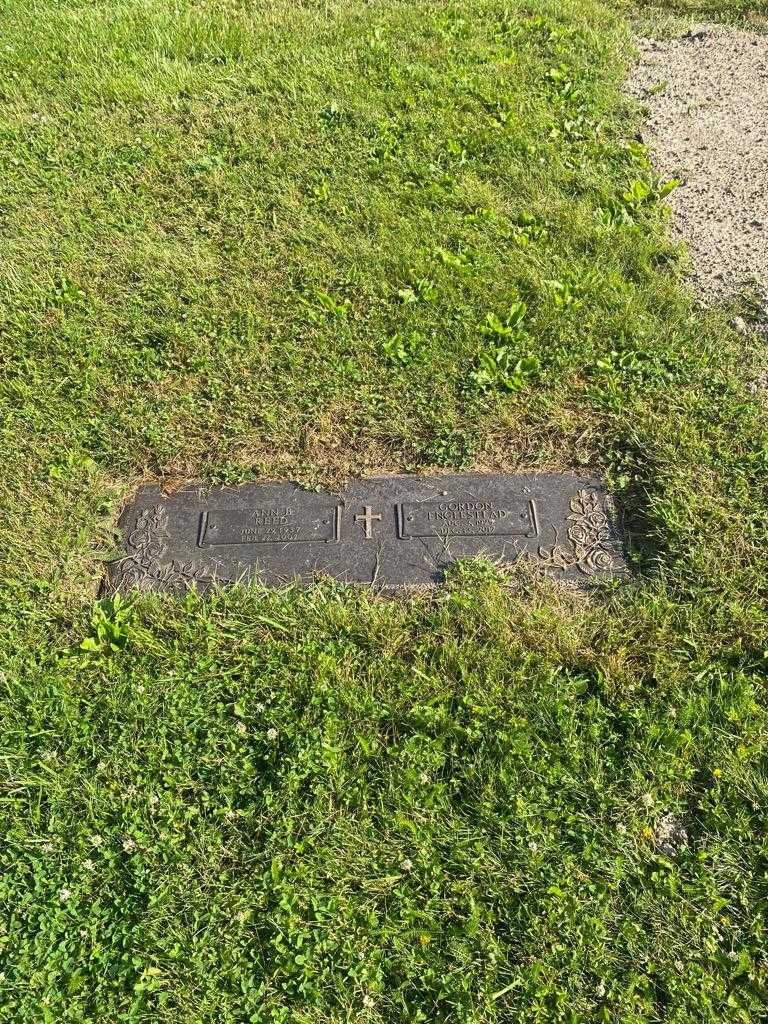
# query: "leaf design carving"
(144, 570)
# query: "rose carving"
(589, 537)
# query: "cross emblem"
(367, 520)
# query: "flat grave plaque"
(391, 532)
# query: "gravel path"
(707, 93)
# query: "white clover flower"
(621, 828)
(646, 800)
(96, 840)
(154, 799)
(368, 1001)
(600, 990)
(140, 688)
(533, 845)
(272, 735)
(406, 865)
(129, 845)
(64, 894)
(424, 778)
(260, 708)
(240, 727)
(88, 864)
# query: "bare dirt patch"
(707, 93)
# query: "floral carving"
(144, 569)
(590, 539)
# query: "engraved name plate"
(468, 518)
(268, 524)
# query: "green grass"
(713, 10)
(283, 240)
(669, 18)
